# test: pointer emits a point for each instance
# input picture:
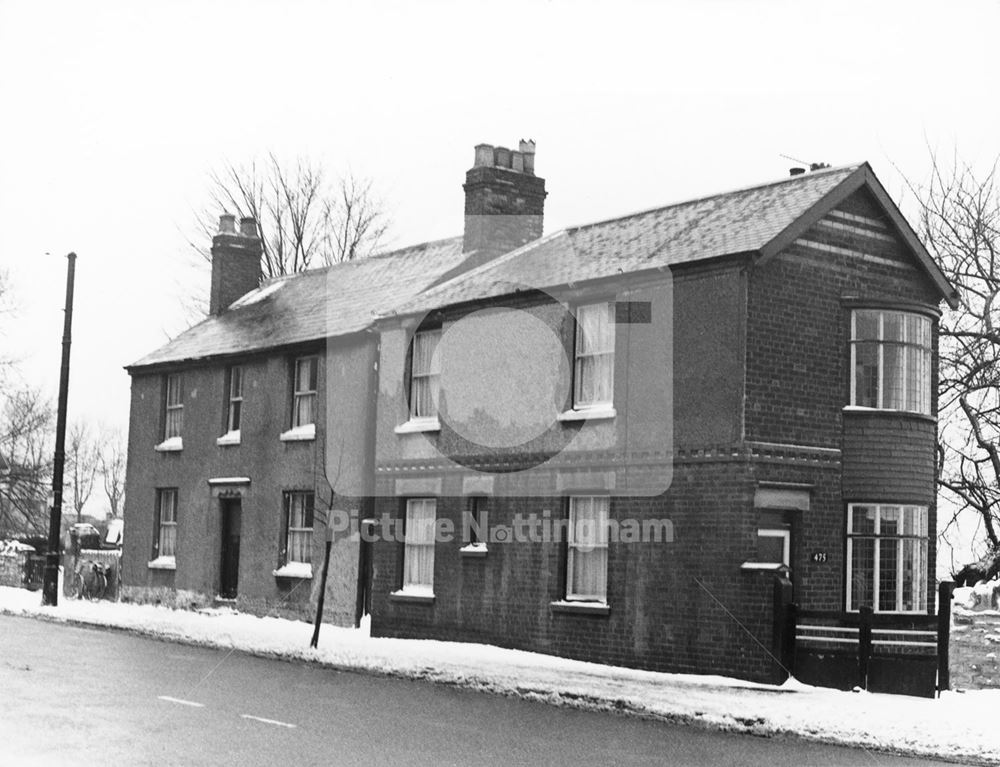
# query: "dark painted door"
(231, 522)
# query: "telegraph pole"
(50, 581)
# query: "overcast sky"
(113, 113)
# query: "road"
(80, 696)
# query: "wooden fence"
(879, 652)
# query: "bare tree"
(25, 462)
(82, 462)
(960, 222)
(112, 458)
(303, 219)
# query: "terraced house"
(603, 442)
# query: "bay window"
(887, 565)
(891, 360)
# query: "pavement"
(71, 695)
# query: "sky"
(114, 113)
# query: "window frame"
(300, 394)
(234, 401)
(432, 376)
(919, 586)
(924, 369)
(423, 589)
(572, 546)
(287, 529)
(161, 526)
(579, 356)
(477, 504)
(173, 406)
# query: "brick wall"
(798, 327)
(272, 466)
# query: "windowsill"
(473, 550)
(772, 567)
(163, 563)
(421, 596)
(415, 425)
(172, 445)
(888, 411)
(229, 438)
(299, 433)
(580, 608)
(301, 570)
(596, 413)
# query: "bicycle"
(90, 581)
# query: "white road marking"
(181, 701)
(268, 721)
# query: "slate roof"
(321, 303)
(732, 222)
(348, 298)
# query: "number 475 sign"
(819, 556)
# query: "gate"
(894, 653)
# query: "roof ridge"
(348, 262)
(655, 209)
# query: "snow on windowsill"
(172, 445)
(415, 425)
(597, 413)
(765, 566)
(294, 570)
(473, 550)
(888, 411)
(582, 608)
(163, 563)
(299, 433)
(422, 594)
(229, 438)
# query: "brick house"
(235, 459)
(733, 386)
(600, 443)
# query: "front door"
(230, 569)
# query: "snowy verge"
(956, 726)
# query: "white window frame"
(173, 420)
(235, 415)
(162, 495)
(607, 349)
(919, 584)
(431, 376)
(308, 500)
(419, 534)
(786, 550)
(908, 347)
(573, 545)
(303, 391)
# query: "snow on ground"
(956, 726)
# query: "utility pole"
(50, 581)
(322, 591)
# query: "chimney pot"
(227, 223)
(503, 210)
(527, 147)
(248, 226)
(796, 171)
(484, 156)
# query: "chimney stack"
(235, 262)
(504, 200)
(796, 171)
